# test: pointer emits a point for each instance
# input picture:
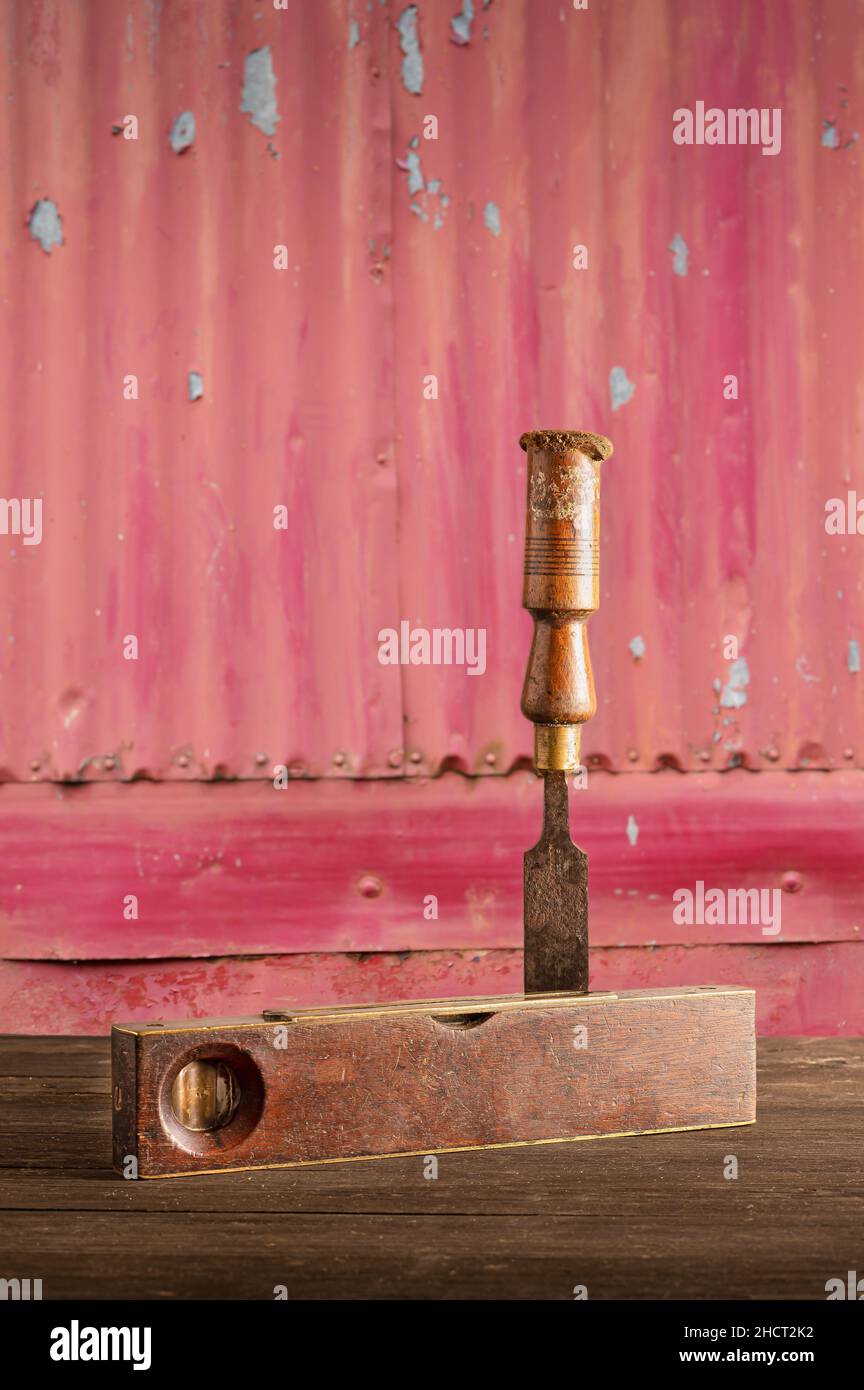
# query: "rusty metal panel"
(555, 130)
(256, 645)
(157, 870)
(408, 258)
(806, 991)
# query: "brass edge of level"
(473, 1004)
(505, 1003)
(459, 1149)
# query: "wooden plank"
(509, 1223)
(246, 869)
(816, 990)
(24, 1059)
(182, 1255)
(37, 1176)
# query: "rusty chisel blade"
(556, 900)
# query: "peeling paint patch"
(637, 647)
(196, 386)
(353, 34)
(632, 830)
(182, 132)
(735, 690)
(461, 23)
(409, 42)
(492, 218)
(830, 135)
(805, 675)
(680, 253)
(432, 200)
(833, 138)
(620, 387)
(45, 224)
(410, 165)
(259, 90)
(415, 173)
(853, 656)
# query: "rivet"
(110, 764)
(370, 886)
(297, 769)
(416, 757)
(339, 759)
(849, 753)
(633, 755)
(395, 758)
(382, 460)
(791, 883)
(183, 760)
(490, 759)
(704, 755)
(35, 764)
(771, 753)
(260, 759)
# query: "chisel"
(561, 591)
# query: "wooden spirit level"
(553, 1064)
(322, 1085)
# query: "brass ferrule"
(557, 747)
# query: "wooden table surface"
(648, 1217)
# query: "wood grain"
(631, 1218)
(561, 585)
(427, 1077)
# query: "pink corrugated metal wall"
(303, 258)
(159, 511)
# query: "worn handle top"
(561, 588)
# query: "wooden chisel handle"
(561, 588)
